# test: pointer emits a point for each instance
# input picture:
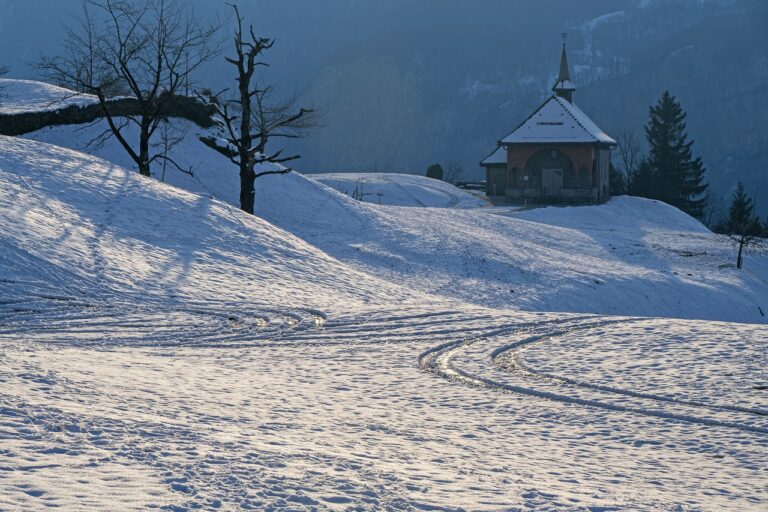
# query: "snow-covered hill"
(20, 96)
(88, 228)
(632, 256)
(399, 190)
(628, 257)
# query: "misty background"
(402, 84)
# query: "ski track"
(484, 361)
(201, 458)
(409, 194)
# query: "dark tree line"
(149, 51)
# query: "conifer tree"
(435, 171)
(670, 173)
(742, 225)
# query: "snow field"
(343, 416)
(677, 361)
(628, 257)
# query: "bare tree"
(145, 49)
(629, 156)
(454, 173)
(747, 241)
(714, 210)
(169, 137)
(252, 117)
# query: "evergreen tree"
(742, 225)
(672, 174)
(435, 171)
(741, 214)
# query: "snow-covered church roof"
(498, 157)
(557, 120)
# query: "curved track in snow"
(511, 359)
(61, 319)
(481, 362)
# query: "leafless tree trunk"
(146, 49)
(713, 210)
(747, 242)
(454, 173)
(251, 118)
(628, 147)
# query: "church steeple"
(564, 87)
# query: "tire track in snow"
(511, 360)
(126, 323)
(405, 191)
(441, 360)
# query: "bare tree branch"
(145, 49)
(251, 117)
(628, 148)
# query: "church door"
(551, 182)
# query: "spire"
(564, 87)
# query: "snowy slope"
(399, 190)
(629, 257)
(111, 230)
(20, 96)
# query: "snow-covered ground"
(161, 349)
(18, 96)
(400, 190)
